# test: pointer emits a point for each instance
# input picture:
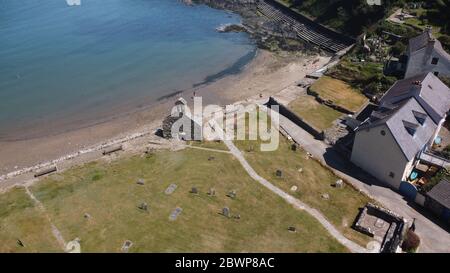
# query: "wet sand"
(266, 74)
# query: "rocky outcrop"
(267, 33)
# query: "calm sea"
(79, 63)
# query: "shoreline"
(267, 74)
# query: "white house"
(425, 54)
(405, 124)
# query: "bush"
(411, 242)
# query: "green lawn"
(313, 112)
(109, 194)
(342, 207)
(339, 92)
(21, 220)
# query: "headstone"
(87, 216)
(20, 243)
(325, 196)
(339, 183)
(300, 170)
(237, 216)
(211, 158)
(292, 229)
(143, 206)
(126, 246)
(232, 194)
(194, 190)
(279, 173)
(226, 212)
(73, 246)
(212, 192)
(294, 188)
(171, 189)
(294, 147)
(140, 181)
(174, 214)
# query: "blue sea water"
(81, 62)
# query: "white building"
(405, 124)
(425, 54)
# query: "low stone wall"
(329, 103)
(283, 110)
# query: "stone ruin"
(383, 225)
(189, 130)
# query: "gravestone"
(143, 206)
(325, 196)
(126, 246)
(294, 188)
(294, 147)
(87, 216)
(232, 194)
(226, 212)
(300, 170)
(140, 181)
(212, 192)
(339, 184)
(292, 229)
(194, 190)
(237, 216)
(170, 189)
(174, 214)
(279, 173)
(211, 158)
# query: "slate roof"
(441, 193)
(401, 117)
(420, 41)
(432, 94)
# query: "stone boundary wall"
(329, 103)
(283, 110)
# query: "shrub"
(411, 242)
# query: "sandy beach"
(267, 74)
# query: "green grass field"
(339, 92)
(313, 112)
(342, 207)
(108, 192)
(21, 220)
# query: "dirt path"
(55, 231)
(353, 247)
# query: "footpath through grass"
(98, 203)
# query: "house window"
(436, 73)
(391, 175)
(435, 61)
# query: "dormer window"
(420, 117)
(435, 61)
(410, 127)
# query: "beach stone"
(170, 189)
(294, 188)
(174, 214)
(126, 246)
(140, 181)
(325, 196)
(226, 212)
